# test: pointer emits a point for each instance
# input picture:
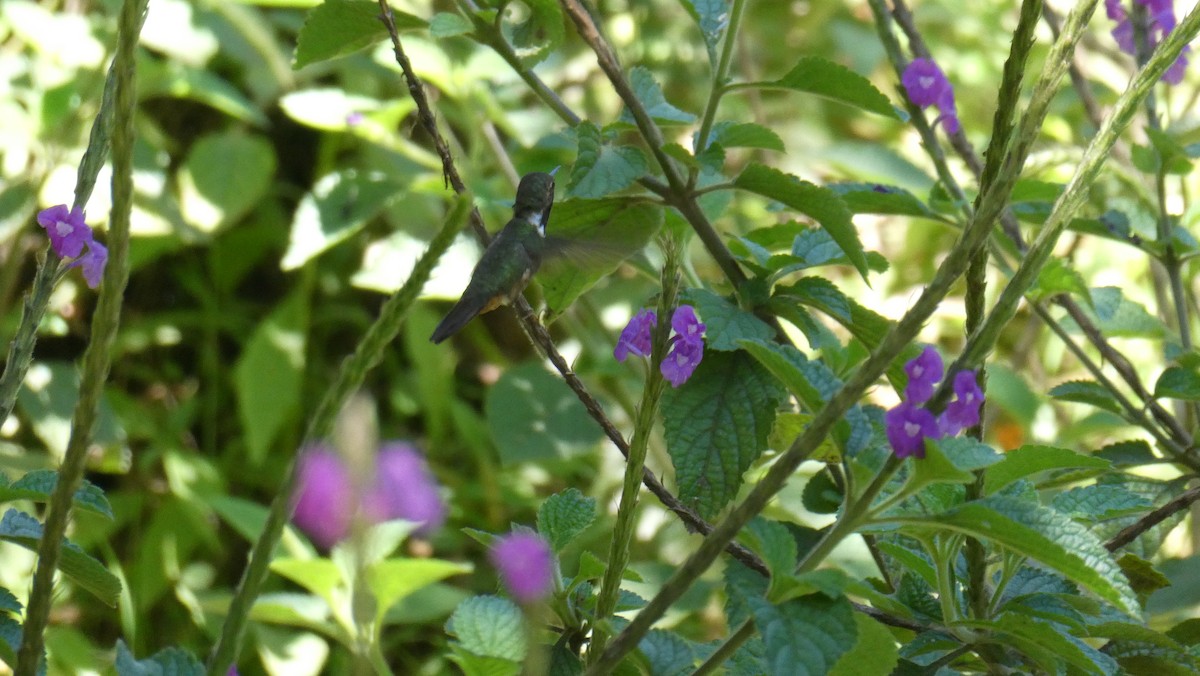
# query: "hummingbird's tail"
(463, 311)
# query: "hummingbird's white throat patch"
(536, 220)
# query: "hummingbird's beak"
(555, 170)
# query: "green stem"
(618, 551)
(367, 354)
(720, 80)
(98, 356)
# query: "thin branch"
(1132, 531)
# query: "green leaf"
(805, 636)
(393, 580)
(172, 661)
(8, 602)
(541, 33)
(650, 94)
(1056, 277)
(337, 207)
(713, 17)
(340, 27)
(774, 544)
(1031, 459)
(819, 203)
(1142, 650)
(668, 653)
(39, 484)
(24, 530)
(725, 323)
(745, 135)
(474, 665)
(48, 397)
(596, 235)
(834, 81)
(1143, 576)
(223, 177)
(874, 652)
(489, 626)
(821, 495)
(533, 416)
(565, 515)
(1099, 502)
(716, 425)
(10, 643)
(1087, 392)
(968, 454)
(1053, 639)
(1178, 383)
(449, 24)
(322, 577)
(601, 168)
(1117, 316)
(1044, 535)
(269, 375)
(874, 198)
(864, 324)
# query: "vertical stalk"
(98, 357)
(618, 551)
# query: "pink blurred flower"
(526, 565)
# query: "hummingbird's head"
(535, 196)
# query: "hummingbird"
(510, 261)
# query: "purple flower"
(92, 263)
(682, 360)
(908, 426)
(526, 565)
(927, 86)
(1162, 22)
(325, 500)
(924, 373)
(963, 412)
(66, 228)
(685, 323)
(354, 119)
(404, 489)
(636, 337)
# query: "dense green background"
(267, 227)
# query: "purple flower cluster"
(526, 565)
(69, 234)
(401, 487)
(687, 344)
(909, 425)
(1162, 22)
(927, 86)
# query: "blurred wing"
(587, 240)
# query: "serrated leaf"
(39, 484)
(489, 626)
(1143, 576)
(539, 34)
(1087, 392)
(340, 27)
(821, 495)
(820, 204)
(168, 661)
(876, 198)
(22, 529)
(269, 375)
(1031, 459)
(393, 580)
(564, 515)
(9, 602)
(775, 545)
(1099, 502)
(601, 168)
(668, 653)
(533, 416)
(713, 17)
(837, 82)
(337, 207)
(1044, 535)
(1141, 650)
(874, 650)
(864, 324)
(725, 323)
(1053, 639)
(717, 426)
(650, 93)
(745, 135)
(10, 643)
(805, 636)
(598, 236)
(449, 24)
(968, 454)
(1178, 383)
